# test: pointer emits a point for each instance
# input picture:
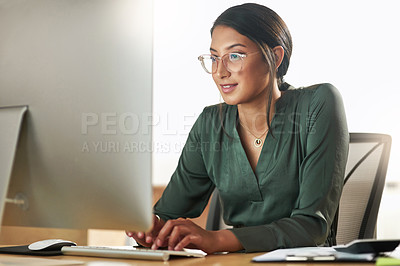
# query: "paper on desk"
(311, 253)
(22, 261)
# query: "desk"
(215, 260)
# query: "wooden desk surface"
(215, 260)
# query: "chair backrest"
(363, 186)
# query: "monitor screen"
(84, 71)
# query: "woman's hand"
(181, 233)
(146, 239)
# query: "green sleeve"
(325, 148)
(190, 187)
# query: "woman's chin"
(229, 100)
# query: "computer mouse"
(50, 244)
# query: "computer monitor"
(84, 71)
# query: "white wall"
(351, 44)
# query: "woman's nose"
(222, 71)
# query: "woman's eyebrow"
(229, 47)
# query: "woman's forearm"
(227, 241)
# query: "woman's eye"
(234, 57)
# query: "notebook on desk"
(315, 254)
(360, 250)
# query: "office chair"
(363, 186)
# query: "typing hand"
(181, 233)
(147, 239)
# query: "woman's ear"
(279, 54)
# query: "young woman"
(276, 154)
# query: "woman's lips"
(226, 88)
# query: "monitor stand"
(10, 125)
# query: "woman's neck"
(253, 115)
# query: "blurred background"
(351, 44)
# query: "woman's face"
(249, 85)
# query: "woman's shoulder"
(323, 92)
(322, 89)
(215, 119)
(212, 115)
(215, 111)
(314, 97)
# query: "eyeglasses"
(233, 62)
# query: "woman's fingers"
(165, 232)
(142, 238)
(139, 237)
(186, 241)
(182, 233)
(178, 232)
(147, 238)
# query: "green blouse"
(291, 198)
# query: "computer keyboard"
(129, 252)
